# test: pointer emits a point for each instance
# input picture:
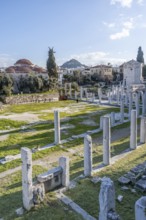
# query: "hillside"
(72, 64)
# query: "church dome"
(10, 70)
(23, 62)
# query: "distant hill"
(72, 64)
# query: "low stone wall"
(35, 98)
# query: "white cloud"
(94, 58)
(6, 60)
(125, 32)
(119, 35)
(124, 3)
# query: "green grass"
(11, 199)
(6, 124)
(86, 187)
(33, 107)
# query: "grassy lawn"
(11, 199)
(42, 134)
(10, 187)
(86, 187)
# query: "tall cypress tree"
(52, 69)
(140, 57)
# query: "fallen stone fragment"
(124, 188)
(120, 198)
(123, 180)
(113, 216)
(19, 211)
(133, 190)
(141, 185)
(96, 179)
(144, 177)
(72, 185)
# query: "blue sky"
(91, 31)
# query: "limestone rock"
(96, 179)
(19, 211)
(120, 198)
(123, 180)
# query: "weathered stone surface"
(141, 185)
(87, 155)
(113, 216)
(133, 190)
(123, 180)
(124, 188)
(49, 174)
(133, 130)
(38, 193)
(140, 207)
(143, 130)
(72, 185)
(120, 198)
(96, 179)
(64, 163)
(27, 195)
(106, 198)
(106, 140)
(19, 211)
(57, 126)
(131, 176)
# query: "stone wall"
(34, 98)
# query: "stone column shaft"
(57, 126)
(122, 110)
(87, 155)
(133, 130)
(27, 192)
(112, 115)
(64, 163)
(143, 130)
(81, 93)
(130, 104)
(137, 104)
(106, 140)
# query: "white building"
(132, 73)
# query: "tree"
(52, 69)
(140, 57)
(6, 84)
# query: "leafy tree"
(144, 71)
(52, 69)
(6, 84)
(140, 57)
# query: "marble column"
(70, 90)
(64, 163)
(106, 140)
(81, 92)
(130, 104)
(144, 103)
(122, 110)
(133, 130)
(112, 115)
(143, 130)
(27, 191)
(57, 126)
(87, 155)
(137, 104)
